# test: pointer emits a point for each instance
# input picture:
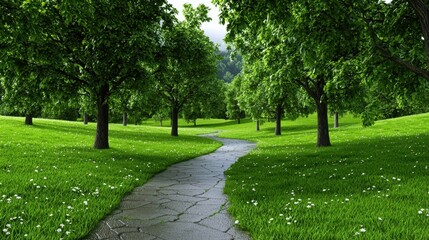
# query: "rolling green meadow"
(372, 183)
(54, 185)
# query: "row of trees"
(134, 55)
(134, 58)
(367, 57)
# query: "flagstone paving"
(186, 201)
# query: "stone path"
(186, 201)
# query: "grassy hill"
(372, 183)
(54, 185)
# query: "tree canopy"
(95, 46)
(187, 67)
(330, 49)
(135, 58)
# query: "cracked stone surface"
(186, 201)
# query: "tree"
(347, 91)
(399, 32)
(23, 92)
(253, 98)
(133, 105)
(395, 57)
(259, 97)
(187, 62)
(1, 91)
(207, 105)
(96, 46)
(233, 92)
(24, 95)
(87, 107)
(399, 94)
(60, 108)
(265, 93)
(278, 31)
(121, 104)
(162, 114)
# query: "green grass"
(54, 185)
(373, 183)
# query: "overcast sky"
(213, 29)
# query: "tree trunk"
(175, 121)
(28, 119)
(102, 134)
(257, 125)
(195, 122)
(279, 113)
(336, 120)
(85, 118)
(160, 122)
(238, 120)
(124, 118)
(322, 125)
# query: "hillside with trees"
(87, 57)
(368, 58)
(229, 65)
(290, 59)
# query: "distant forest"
(229, 66)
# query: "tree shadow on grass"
(298, 129)
(71, 129)
(126, 158)
(330, 167)
(139, 135)
(227, 123)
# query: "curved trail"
(186, 201)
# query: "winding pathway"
(186, 201)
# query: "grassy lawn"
(373, 183)
(54, 185)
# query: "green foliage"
(229, 66)
(210, 105)
(336, 51)
(398, 32)
(23, 95)
(161, 115)
(276, 34)
(87, 106)
(233, 91)
(53, 185)
(135, 102)
(391, 54)
(64, 110)
(95, 47)
(186, 75)
(195, 17)
(253, 97)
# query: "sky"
(213, 29)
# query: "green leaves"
(93, 46)
(195, 17)
(186, 72)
